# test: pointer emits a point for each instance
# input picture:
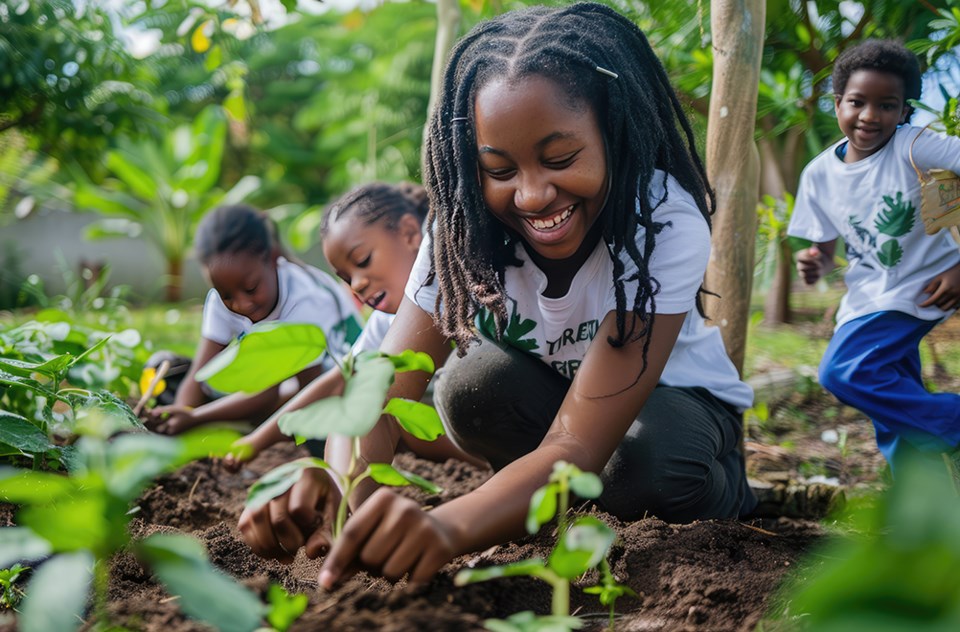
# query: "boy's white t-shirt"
(373, 332)
(305, 295)
(559, 330)
(874, 205)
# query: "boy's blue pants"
(873, 364)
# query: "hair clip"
(460, 119)
(608, 73)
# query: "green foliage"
(284, 607)
(161, 188)
(67, 79)
(82, 521)
(897, 571)
(566, 477)
(10, 594)
(268, 354)
(528, 621)
(53, 376)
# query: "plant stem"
(560, 604)
(101, 587)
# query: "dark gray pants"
(679, 461)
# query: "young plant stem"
(560, 604)
(101, 588)
(564, 500)
(348, 483)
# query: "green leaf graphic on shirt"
(349, 329)
(513, 335)
(898, 218)
(890, 253)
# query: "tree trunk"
(776, 307)
(448, 24)
(173, 288)
(733, 165)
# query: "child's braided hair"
(641, 120)
(378, 201)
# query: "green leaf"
(353, 414)
(278, 480)
(57, 594)
(22, 487)
(103, 414)
(72, 524)
(543, 507)
(386, 474)
(19, 433)
(409, 360)
(134, 460)
(586, 485)
(9, 379)
(528, 621)
(284, 608)
(203, 443)
(267, 355)
(533, 567)
(204, 592)
(20, 544)
(417, 418)
(581, 547)
(51, 368)
(138, 181)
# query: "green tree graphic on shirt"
(898, 218)
(513, 335)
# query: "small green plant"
(948, 116)
(79, 522)
(284, 608)
(581, 545)
(52, 374)
(288, 348)
(9, 594)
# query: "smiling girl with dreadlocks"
(568, 236)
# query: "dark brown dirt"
(716, 575)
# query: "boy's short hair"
(888, 56)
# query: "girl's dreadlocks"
(378, 201)
(642, 123)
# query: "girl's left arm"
(390, 535)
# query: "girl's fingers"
(257, 531)
(346, 550)
(288, 537)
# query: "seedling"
(284, 608)
(9, 594)
(581, 546)
(272, 352)
(79, 522)
(609, 590)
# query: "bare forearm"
(239, 407)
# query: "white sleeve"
(680, 254)
(417, 290)
(809, 220)
(934, 150)
(219, 323)
(373, 332)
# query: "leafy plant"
(9, 594)
(286, 349)
(79, 522)
(581, 546)
(49, 380)
(284, 607)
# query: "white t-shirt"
(559, 330)
(306, 295)
(373, 332)
(874, 205)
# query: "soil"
(712, 575)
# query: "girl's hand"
(944, 290)
(171, 420)
(301, 516)
(810, 264)
(243, 451)
(392, 536)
